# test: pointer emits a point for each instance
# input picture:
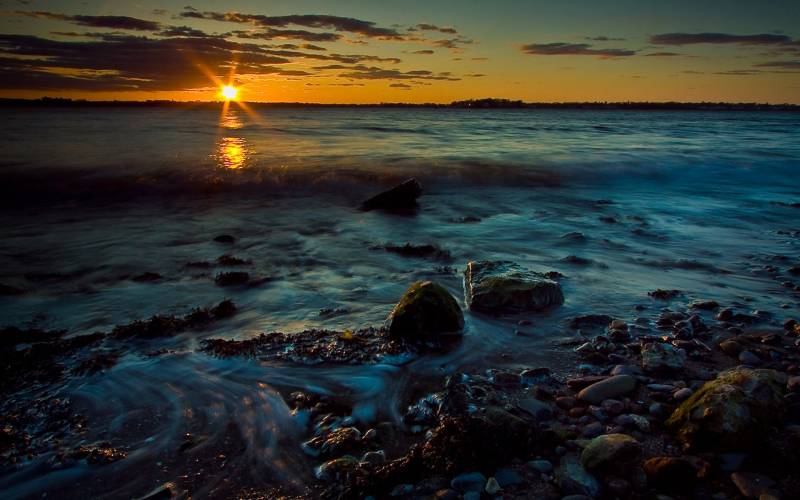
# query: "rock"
(725, 314)
(539, 410)
(748, 358)
(492, 486)
(670, 473)
(163, 492)
(793, 385)
(402, 490)
(732, 412)
(425, 311)
(573, 479)
(659, 356)
(682, 394)
(235, 278)
(590, 321)
(224, 238)
(509, 477)
(471, 481)
(609, 450)
(374, 457)
(661, 294)
(731, 347)
(609, 388)
(613, 407)
(447, 494)
(502, 286)
(337, 468)
(705, 305)
(593, 430)
(751, 484)
(341, 440)
(567, 403)
(543, 466)
(403, 196)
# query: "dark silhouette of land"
(468, 104)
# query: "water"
(93, 197)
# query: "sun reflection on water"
(232, 153)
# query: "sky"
(351, 51)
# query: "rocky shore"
(688, 399)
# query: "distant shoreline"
(469, 104)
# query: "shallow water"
(97, 196)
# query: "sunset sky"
(412, 51)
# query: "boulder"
(503, 286)
(659, 356)
(670, 473)
(608, 388)
(732, 412)
(401, 197)
(610, 450)
(425, 311)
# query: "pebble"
(613, 407)
(543, 466)
(608, 388)
(492, 486)
(748, 358)
(447, 494)
(402, 490)
(539, 410)
(565, 402)
(471, 481)
(793, 384)
(593, 430)
(682, 394)
(751, 484)
(510, 477)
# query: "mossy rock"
(732, 412)
(425, 311)
(610, 450)
(505, 287)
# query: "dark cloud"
(475, 75)
(183, 31)
(451, 43)
(274, 34)
(127, 62)
(308, 46)
(573, 49)
(392, 74)
(739, 72)
(113, 22)
(662, 54)
(402, 86)
(604, 39)
(719, 38)
(319, 21)
(793, 65)
(159, 12)
(424, 52)
(433, 27)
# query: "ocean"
(620, 202)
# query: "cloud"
(402, 86)
(392, 74)
(719, 38)
(663, 54)
(738, 72)
(475, 75)
(605, 39)
(172, 31)
(113, 22)
(273, 34)
(426, 52)
(793, 65)
(433, 27)
(308, 46)
(573, 49)
(337, 23)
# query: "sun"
(229, 92)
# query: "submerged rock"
(503, 286)
(425, 311)
(402, 196)
(659, 356)
(732, 412)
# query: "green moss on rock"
(731, 412)
(425, 311)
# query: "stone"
(593, 430)
(751, 484)
(224, 238)
(447, 494)
(793, 384)
(725, 314)
(731, 347)
(573, 479)
(374, 457)
(682, 394)
(492, 486)
(670, 473)
(706, 305)
(425, 311)
(732, 412)
(470, 481)
(543, 466)
(659, 356)
(567, 402)
(609, 388)
(609, 450)
(503, 286)
(341, 440)
(613, 407)
(748, 358)
(509, 477)
(337, 468)
(233, 278)
(401, 197)
(402, 490)
(539, 410)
